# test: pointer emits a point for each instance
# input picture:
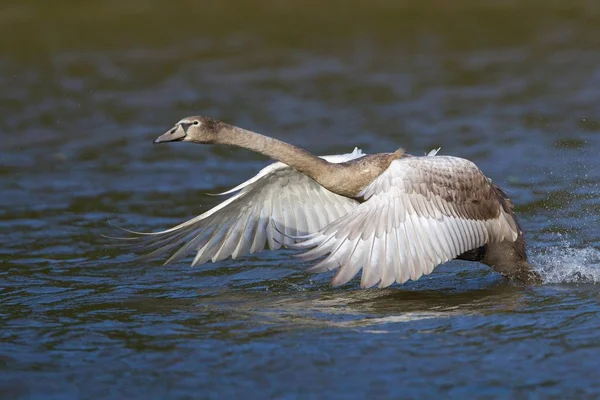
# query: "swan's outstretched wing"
(421, 212)
(278, 196)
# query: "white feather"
(399, 233)
(243, 224)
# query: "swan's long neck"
(297, 158)
(346, 179)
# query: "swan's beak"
(178, 133)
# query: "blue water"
(85, 90)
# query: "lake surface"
(85, 90)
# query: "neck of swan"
(322, 171)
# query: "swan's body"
(394, 215)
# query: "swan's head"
(198, 129)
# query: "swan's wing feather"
(269, 208)
(433, 152)
(421, 212)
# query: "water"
(85, 89)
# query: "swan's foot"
(505, 259)
(525, 275)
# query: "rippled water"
(85, 89)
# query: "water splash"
(566, 264)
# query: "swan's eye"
(196, 122)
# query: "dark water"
(85, 89)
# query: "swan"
(393, 215)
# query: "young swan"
(392, 215)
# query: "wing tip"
(433, 152)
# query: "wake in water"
(567, 264)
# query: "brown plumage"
(392, 215)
